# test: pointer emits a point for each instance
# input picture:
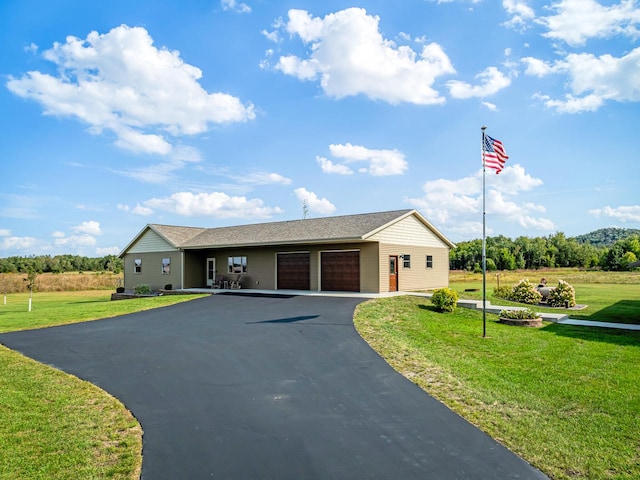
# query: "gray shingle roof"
(177, 235)
(314, 230)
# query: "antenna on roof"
(305, 209)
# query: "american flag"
(493, 154)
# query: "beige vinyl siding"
(150, 241)
(152, 270)
(418, 277)
(408, 231)
(370, 268)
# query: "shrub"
(563, 295)
(445, 299)
(142, 289)
(502, 292)
(525, 292)
(523, 314)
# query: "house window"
(137, 265)
(237, 265)
(166, 266)
(429, 261)
(406, 261)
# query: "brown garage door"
(293, 271)
(340, 271)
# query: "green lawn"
(564, 398)
(54, 425)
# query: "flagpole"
(484, 249)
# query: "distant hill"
(605, 237)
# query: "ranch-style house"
(370, 253)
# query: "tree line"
(60, 264)
(545, 252)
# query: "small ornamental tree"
(445, 299)
(525, 292)
(563, 295)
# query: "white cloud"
(349, 56)
(75, 241)
(328, 166)
(264, 178)
(215, 204)
(234, 6)
(490, 106)
(137, 210)
(83, 235)
(576, 21)
(627, 213)
(315, 204)
(380, 162)
(537, 67)
(592, 80)
(121, 83)
(104, 251)
(90, 227)
(521, 14)
(455, 205)
(491, 79)
(11, 242)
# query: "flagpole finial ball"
(483, 128)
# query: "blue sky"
(212, 113)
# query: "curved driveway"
(242, 387)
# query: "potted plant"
(523, 317)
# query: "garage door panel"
(294, 271)
(340, 271)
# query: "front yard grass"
(54, 425)
(564, 398)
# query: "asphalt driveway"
(242, 387)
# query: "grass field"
(54, 425)
(610, 296)
(60, 282)
(564, 398)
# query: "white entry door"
(211, 271)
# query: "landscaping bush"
(523, 314)
(563, 295)
(502, 292)
(142, 289)
(525, 292)
(445, 299)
